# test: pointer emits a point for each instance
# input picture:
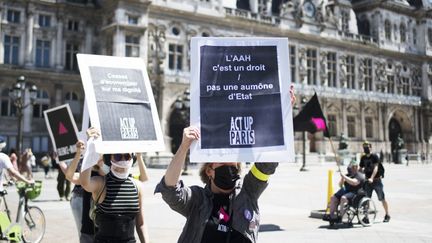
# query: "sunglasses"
(119, 157)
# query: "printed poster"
(63, 132)
(240, 100)
(120, 103)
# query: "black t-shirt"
(360, 178)
(368, 163)
(218, 227)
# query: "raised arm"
(256, 181)
(142, 168)
(91, 184)
(71, 174)
(174, 169)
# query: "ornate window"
(350, 75)
(345, 17)
(44, 20)
(13, 16)
(7, 107)
(43, 49)
(71, 62)
(332, 124)
(11, 49)
(132, 19)
(41, 103)
(331, 69)
(367, 74)
(311, 66)
(73, 25)
(414, 33)
(132, 46)
(292, 50)
(387, 29)
(351, 126)
(175, 57)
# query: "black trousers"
(63, 185)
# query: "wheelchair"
(360, 207)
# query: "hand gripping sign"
(120, 103)
(240, 100)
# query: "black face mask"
(366, 150)
(226, 177)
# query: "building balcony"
(256, 17)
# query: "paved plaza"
(285, 207)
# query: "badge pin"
(247, 215)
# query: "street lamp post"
(18, 94)
(303, 168)
(182, 105)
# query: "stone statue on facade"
(302, 64)
(361, 73)
(380, 74)
(323, 68)
(343, 71)
(319, 16)
(289, 8)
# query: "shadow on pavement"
(269, 228)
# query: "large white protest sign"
(120, 103)
(240, 100)
(63, 132)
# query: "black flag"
(311, 118)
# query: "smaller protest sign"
(63, 131)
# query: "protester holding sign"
(224, 210)
(118, 199)
(211, 215)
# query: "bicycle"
(29, 225)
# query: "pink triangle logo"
(62, 129)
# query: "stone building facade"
(370, 62)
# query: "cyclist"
(5, 163)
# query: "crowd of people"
(107, 201)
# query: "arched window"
(414, 32)
(402, 31)
(71, 96)
(387, 29)
(41, 103)
(7, 107)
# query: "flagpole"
(334, 151)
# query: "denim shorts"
(376, 186)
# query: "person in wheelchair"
(350, 184)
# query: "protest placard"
(120, 103)
(63, 131)
(240, 100)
